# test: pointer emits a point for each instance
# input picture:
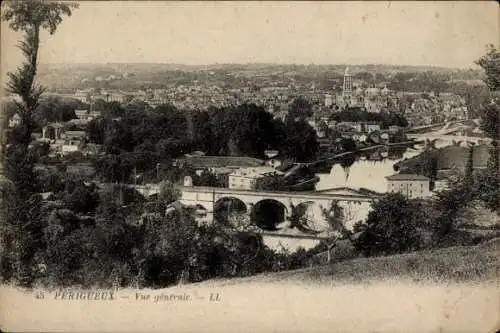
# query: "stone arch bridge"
(268, 207)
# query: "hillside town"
(148, 175)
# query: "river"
(365, 171)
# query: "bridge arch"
(268, 213)
(227, 206)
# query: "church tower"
(347, 87)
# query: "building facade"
(411, 186)
(249, 178)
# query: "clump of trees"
(385, 119)
(392, 227)
(113, 237)
(136, 140)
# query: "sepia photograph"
(249, 166)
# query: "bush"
(391, 227)
(82, 198)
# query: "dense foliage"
(138, 139)
(358, 115)
(391, 227)
(490, 63)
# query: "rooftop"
(221, 161)
(400, 176)
(256, 172)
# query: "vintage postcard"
(249, 166)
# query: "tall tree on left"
(21, 227)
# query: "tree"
(490, 63)
(238, 243)
(206, 178)
(168, 248)
(95, 130)
(391, 227)
(55, 109)
(29, 17)
(490, 120)
(300, 108)
(203, 133)
(300, 142)
(168, 193)
(336, 217)
(82, 198)
(489, 110)
(487, 181)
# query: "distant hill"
(136, 75)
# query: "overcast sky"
(451, 34)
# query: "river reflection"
(365, 169)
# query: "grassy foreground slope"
(480, 263)
(318, 299)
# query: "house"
(222, 175)
(250, 178)
(81, 114)
(83, 96)
(371, 127)
(394, 129)
(349, 125)
(15, 120)
(411, 186)
(74, 136)
(69, 148)
(116, 97)
(53, 131)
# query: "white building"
(15, 120)
(82, 114)
(248, 178)
(410, 185)
(328, 100)
(372, 127)
(83, 95)
(85, 115)
(66, 149)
